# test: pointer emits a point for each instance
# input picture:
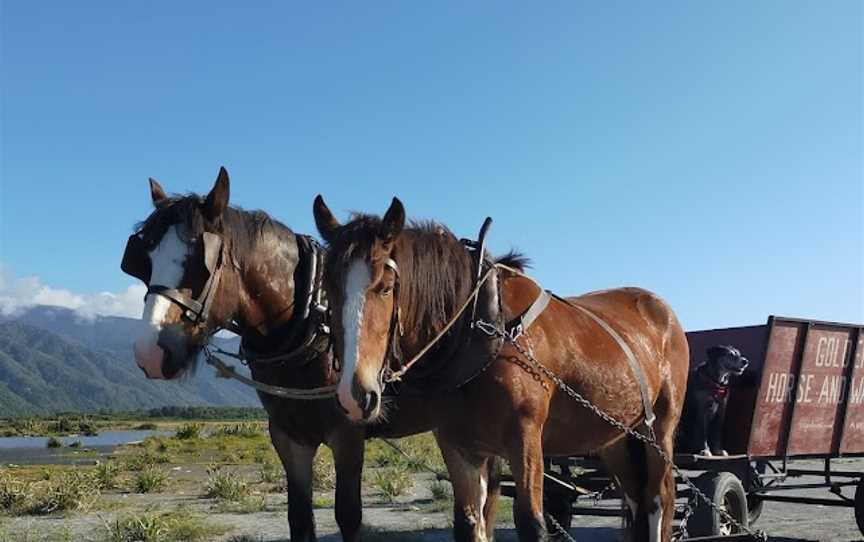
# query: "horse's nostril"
(371, 403)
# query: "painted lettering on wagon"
(830, 390)
(819, 389)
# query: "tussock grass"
(224, 484)
(271, 473)
(392, 482)
(106, 474)
(189, 431)
(150, 480)
(54, 442)
(323, 471)
(161, 527)
(420, 454)
(251, 504)
(242, 430)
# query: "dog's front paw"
(706, 452)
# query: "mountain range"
(53, 359)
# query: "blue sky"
(711, 152)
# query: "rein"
(227, 371)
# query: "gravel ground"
(411, 519)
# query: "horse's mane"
(242, 228)
(435, 269)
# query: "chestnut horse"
(209, 266)
(394, 290)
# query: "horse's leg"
(624, 461)
(347, 445)
(526, 461)
(297, 460)
(468, 474)
(660, 487)
(493, 492)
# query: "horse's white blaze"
(655, 522)
(166, 269)
(356, 283)
(166, 263)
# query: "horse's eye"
(386, 290)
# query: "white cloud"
(19, 293)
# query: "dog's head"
(727, 360)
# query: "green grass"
(227, 485)
(150, 480)
(242, 430)
(250, 504)
(189, 431)
(323, 471)
(106, 474)
(392, 482)
(161, 527)
(271, 473)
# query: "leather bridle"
(196, 310)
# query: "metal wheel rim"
(730, 506)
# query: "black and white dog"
(701, 428)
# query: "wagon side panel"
(852, 434)
(776, 390)
(814, 427)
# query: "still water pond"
(34, 450)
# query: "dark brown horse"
(207, 265)
(394, 289)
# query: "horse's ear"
(324, 220)
(393, 222)
(156, 193)
(217, 199)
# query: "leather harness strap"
(631, 359)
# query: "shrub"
(271, 473)
(245, 429)
(441, 491)
(323, 472)
(54, 442)
(106, 475)
(160, 527)
(71, 491)
(392, 482)
(222, 484)
(189, 431)
(15, 495)
(150, 480)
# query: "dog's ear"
(716, 352)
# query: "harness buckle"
(516, 332)
(487, 328)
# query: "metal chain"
(559, 528)
(650, 439)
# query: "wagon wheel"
(755, 504)
(859, 505)
(725, 491)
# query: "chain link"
(650, 439)
(559, 528)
